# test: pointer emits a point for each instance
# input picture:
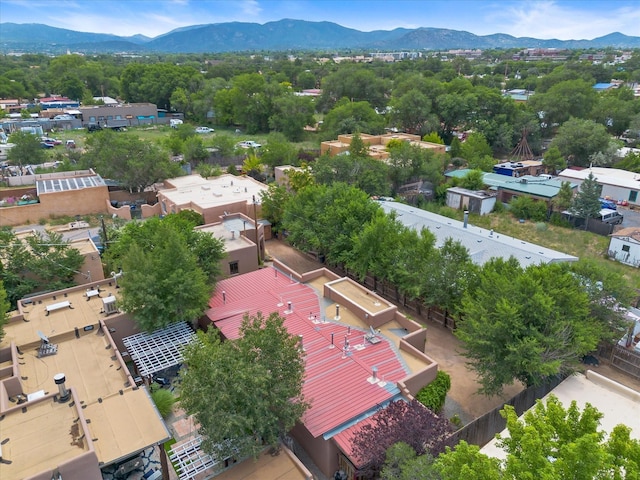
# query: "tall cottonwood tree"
(525, 324)
(163, 284)
(247, 392)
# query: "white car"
(204, 130)
(248, 144)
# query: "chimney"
(374, 374)
(466, 218)
(59, 379)
(233, 234)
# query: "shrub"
(528, 208)
(164, 401)
(541, 226)
(434, 395)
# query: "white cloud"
(550, 19)
(251, 8)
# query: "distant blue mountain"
(282, 35)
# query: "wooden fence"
(483, 429)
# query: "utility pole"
(255, 224)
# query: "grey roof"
(482, 244)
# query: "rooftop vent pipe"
(59, 379)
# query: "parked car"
(93, 127)
(47, 144)
(248, 144)
(70, 144)
(174, 122)
(55, 141)
(204, 130)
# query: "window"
(625, 248)
(233, 268)
(633, 195)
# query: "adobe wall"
(324, 453)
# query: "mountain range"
(283, 35)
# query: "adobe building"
(377, 144)
(212, 197)
(69, 405)
(81, 192)
(361, 353)
(241, 239)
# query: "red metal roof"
(345, 437)
(336, 384)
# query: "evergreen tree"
(586, 203)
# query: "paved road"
(631, 217)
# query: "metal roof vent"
(59, 379)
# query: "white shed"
(625, 246)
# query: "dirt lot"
(445, 348)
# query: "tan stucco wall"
(324, 453)
(75, 202)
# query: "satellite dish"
(43, 337)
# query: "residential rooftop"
(212, 192)
(107, 418)
(482, 244)
(334, 317)
(609, 176)
(618, 404)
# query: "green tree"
(274, 201)
(351, 117)
(163, 285)
(291, 114)
(42, 261)
(4, 309)
(456, 147)
(194, 150)
(208, 249)
(323, 218)
(412, 112)
(136, 163)
(433, 137)
(27, 149)
(448, 274)
(467, 462)
(402, 463)
(277, 151)
(553, 160)
(474, 180)
(586, 202)
(570, 98)
(552, 442)
(525, 324)
(578, 138)
(245, 392)
(475, 149)
(563, 199)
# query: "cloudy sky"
(561, 19)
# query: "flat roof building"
(377, 144)
(69, 405)
(618, 404)
(482, 244)
(212, 197)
